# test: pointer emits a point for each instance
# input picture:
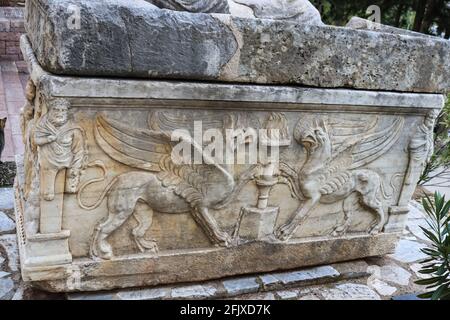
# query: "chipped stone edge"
(258, 96)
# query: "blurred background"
(426, 16)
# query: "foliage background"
(426, 16)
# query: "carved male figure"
(61, 145)
(421, 147)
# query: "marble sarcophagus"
(166, 146)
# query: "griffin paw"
(145, 245)
(339, 230)
(224, 239)
(285, 232)
(102, 250)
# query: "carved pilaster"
(420, 150)
(55, 157)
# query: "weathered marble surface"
(204, 6)
(101, 204)
(364, 24)
(136, 39)
(289, 10)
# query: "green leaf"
(429, 235)
(426, 205)
(438, 293)
(431, 252)
(428, 281)
(426, 295)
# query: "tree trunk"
(420, 14)
(431, 13)
(399, 14)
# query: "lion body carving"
(332, 172)
(166, 187)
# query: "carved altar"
(105, 197)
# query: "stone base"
(267, 286)
(48, 249)
(195, 266)
(257, 223)
(397, 219)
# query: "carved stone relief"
(316, 176)
(290, 10)
(61, 145)
(205, 6)
(336, 154)
(420, 150)
(166, 187)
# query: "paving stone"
(18, 295)
(240, 286)
(90, 296)
(309, 275)
(144, 294)
(9, 244)
(287, 294)
(6, 286)
(408, 251)
(395, 274)
(193, 292)
(353, 269)
(4, 274)
(407, 297)
(268, 280)
(415, 211)
(382, 287)
(350, 291)
(414, 225)
(265, 296)
(308, 295)
(6, 199)
(6, 224)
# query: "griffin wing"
(137, 148)
(358, 150)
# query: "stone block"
(110, 203)
(240, 286)
(5, 25)
(256, 223)
(144, 294)
(193, 292)
(313, 275)
(199, 46)
(350, 291)
(6, 224)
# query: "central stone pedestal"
(257, 224)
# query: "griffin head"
(311, 133)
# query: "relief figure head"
(58, 113)
(312, 134)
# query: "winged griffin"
(165, 186)
(332, 170)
